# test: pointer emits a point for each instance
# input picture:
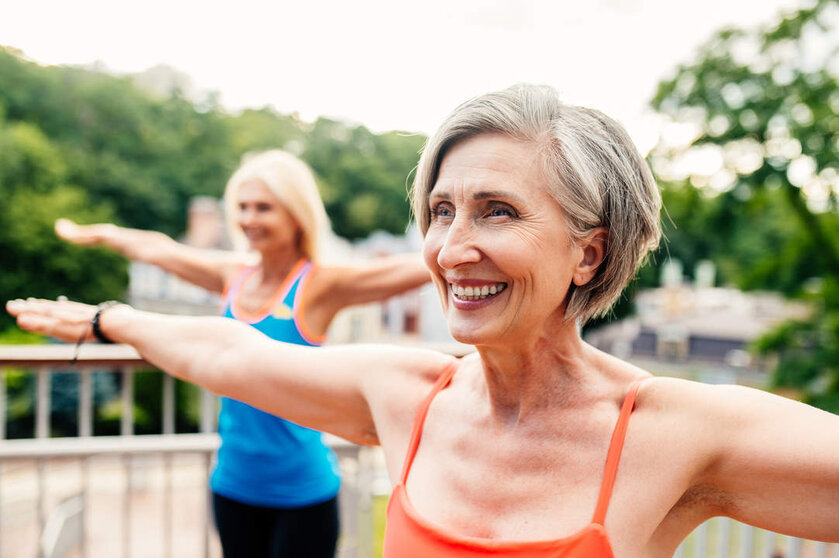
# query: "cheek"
(431, 248)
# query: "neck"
(534, 374)
(275, 265)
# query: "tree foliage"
(756, 187)
(83, 144)
(86, 145)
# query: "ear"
(593, 250)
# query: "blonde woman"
(274, 483)
(535, 215)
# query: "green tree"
(764, 107)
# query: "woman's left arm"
(331, 289)
(376, 280)
(775, 460)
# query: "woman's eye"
(442, 210)
(501, 211)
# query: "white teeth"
(477, 293)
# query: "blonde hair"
(593, 169)
(291, 180)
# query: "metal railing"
(50, 504)
(175, 467)
(722, 537)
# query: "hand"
(68, 321)
(83, 235)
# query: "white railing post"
(208, 412)
(793, 549)
(85, 403)
(723, 536)
(42, 514)
(207, 507)
(126, 427)
(747, 541)
(42, 416)
(126, 507)
(167, 505)
(2, 403)
(768, 543)
(168, 404)
(700, 543)
(85, 503)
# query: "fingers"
(55, 327)
(78, 234)
(66, 229)
(64, 320)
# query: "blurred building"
(697, 330)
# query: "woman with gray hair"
(535, 215)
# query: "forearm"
(330, 389)
(386, 277)
(150, 247)
(204, 268)
(189, 348)
(408, 271)
(317, 388)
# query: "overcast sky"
(388, 64)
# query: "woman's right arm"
(209, 269)
(351, 391)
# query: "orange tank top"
(407, 535)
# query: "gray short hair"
(594, 172)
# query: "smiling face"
(497, 244)
(264, 220)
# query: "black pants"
(256, 532)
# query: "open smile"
(476, 292)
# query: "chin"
(472, 333)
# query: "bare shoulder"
(396, 395)
(734, 404)
(411, 373)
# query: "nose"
(245, 216)
(459, 245)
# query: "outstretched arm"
(209, 269)
(378, 279)
(773, 461)
(331, 289)
(338, 390)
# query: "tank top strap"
(615, 448)
(292, 283)
(442, 382)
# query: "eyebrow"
(480, 195)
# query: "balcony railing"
(146, 495)
(127, 495)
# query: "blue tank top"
(264, 460)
